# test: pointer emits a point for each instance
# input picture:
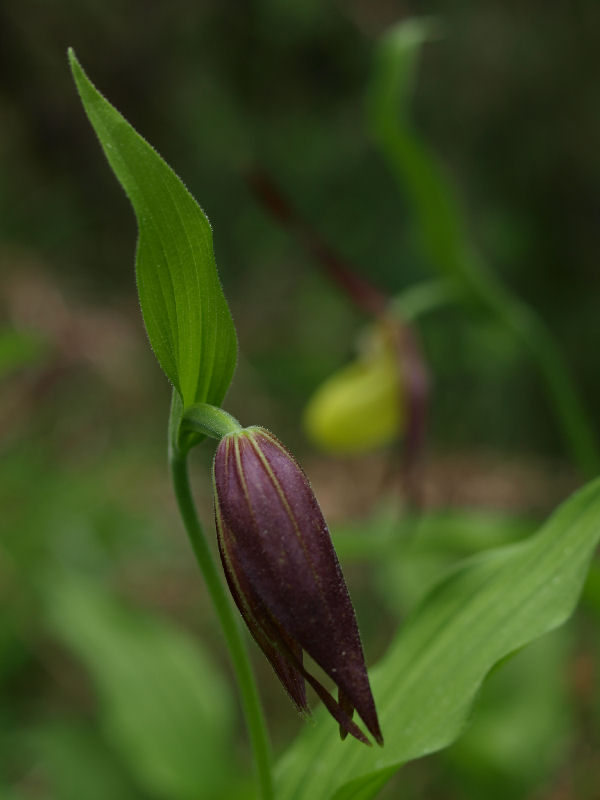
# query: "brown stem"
(372, 302)
(363, 294)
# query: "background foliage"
(92, 557)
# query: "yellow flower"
(361, 406)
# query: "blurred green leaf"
(11, 794)
(438, 215)
(390, 93)
(434, 544)
(443, 232)
(77, 764)
(19, 349)
(164, 706)
(490, 607)
(56, 515)
(447, 535)
(185, 311)
(521, 724)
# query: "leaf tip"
(72, 58)
(76, 68)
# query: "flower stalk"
(229, 624)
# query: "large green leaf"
(488, 608)
(163, 705)
(185, 312)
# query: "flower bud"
(284, 575)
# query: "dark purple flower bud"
(284, 575)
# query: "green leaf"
(438, 214)
(490, 607)
(184, 308)
(163, 705)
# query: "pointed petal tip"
(378, 738)
(356, 732)
(375, 732)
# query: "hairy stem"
(247, 687)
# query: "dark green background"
(507, 98)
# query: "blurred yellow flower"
(361, 406)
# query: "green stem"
(523, 323)
(445, 239)
(573, 417)
(422, 298)
(208, 420)
(229, 624)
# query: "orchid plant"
(278, 560)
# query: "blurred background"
(114, 681)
